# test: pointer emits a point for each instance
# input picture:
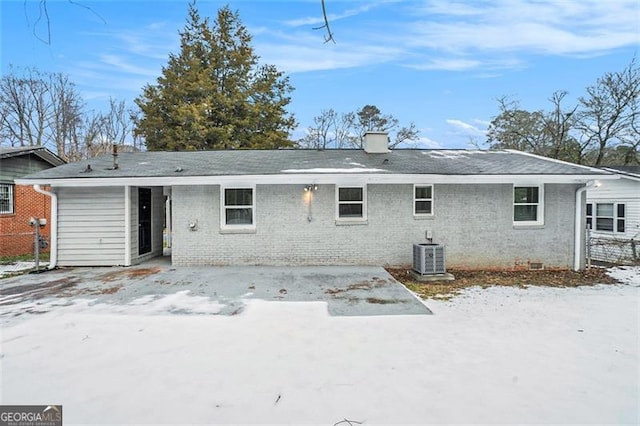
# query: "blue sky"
(440, 64)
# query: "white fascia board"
(624, 175)
(317, 178)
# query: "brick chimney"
(376, 143)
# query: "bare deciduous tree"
(516, 128)
(25, 107)
(333, 130)
(41, 109)
(330, 130)
(558, 123)
(66, 110)
(601, 129)
(319, 135)
(608, 113)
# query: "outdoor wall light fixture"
(309, 189)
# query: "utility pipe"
(53, 253)
(577, 247)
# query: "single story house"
(613, 216)
(19, 203)
(490, 209)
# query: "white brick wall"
(473, 221)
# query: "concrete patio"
(347, 290)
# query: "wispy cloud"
(312, 56)
(425, 142)
(318, 19)
(122, 64)
(447, 64)
(499, 27)
(125, 60)
(462, 128)
(484, 37)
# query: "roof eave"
(40, 152)
(317, 178)
(623, 174)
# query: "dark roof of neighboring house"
(631, 171)
(304, 161)
(38, 151)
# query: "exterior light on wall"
(308, 191)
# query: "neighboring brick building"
(18, 203)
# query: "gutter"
(577, 247)
(328, 178)
(53, 254)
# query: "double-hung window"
(238, 208)
(6, 198)
(351, 203)
(606, 217)
(528, 205)
(422, 200)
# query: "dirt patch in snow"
(103, 290)
(56, 288)
(379, 301)
(360, 285)
(130, 273)
(465, 279)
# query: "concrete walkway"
(348, 290)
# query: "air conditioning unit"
(429, 259)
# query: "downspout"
(127, 225)
(577, 247)
(53, 254)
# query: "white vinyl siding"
(623, 191)
(91, 226)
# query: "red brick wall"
(16, 235)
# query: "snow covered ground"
(20, 267)
(499, 355)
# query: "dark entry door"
(144, 220)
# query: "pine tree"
(214, 94)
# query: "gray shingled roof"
(40, 151)
(290, 161)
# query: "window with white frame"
(6, 198)
(528, 205)
(351, 203)
(606, 217)
(423, 200)
(589, 216)
(238, 208)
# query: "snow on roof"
(330, 170)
